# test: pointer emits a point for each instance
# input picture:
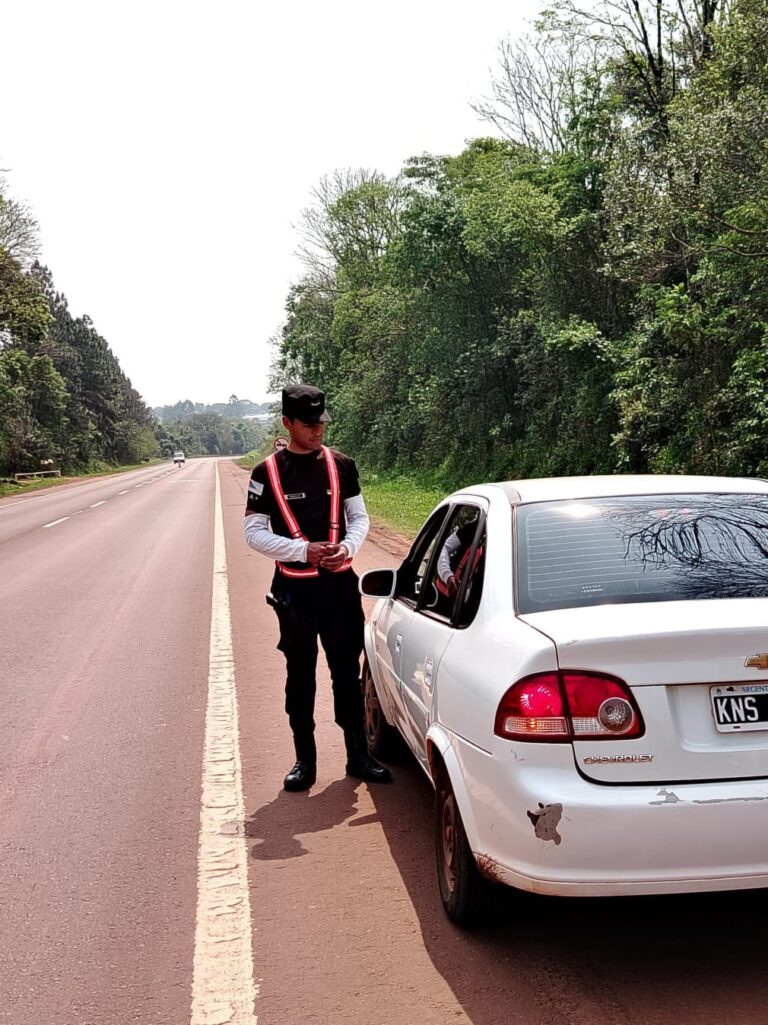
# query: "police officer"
(309, 495)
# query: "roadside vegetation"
(401, 504)
(587, 294)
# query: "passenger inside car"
(453, 563)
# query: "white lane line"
(54, 522)
(12, 502)
(223, 987)
(97, 504)
(127, 490)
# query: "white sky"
(168, 148)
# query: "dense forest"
(63, 395)
(585, 292)
(208, 433)
(233, 409)
(220, 428)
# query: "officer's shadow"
(278, 824)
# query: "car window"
(641, 549)
(452, 562)
(410, 576)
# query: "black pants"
(327, 607)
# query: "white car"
(580, 666)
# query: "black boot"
(359, 762)
(301, 776)
(304, 773)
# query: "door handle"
(398, 643)
(428, 667)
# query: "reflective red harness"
(292, 523)
(458, 572)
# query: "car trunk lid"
(686, 665)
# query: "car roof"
(549, 489)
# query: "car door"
(394, 617)
(390, 625)
(437, 616)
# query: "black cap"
(304, 402)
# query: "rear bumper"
(535, 824)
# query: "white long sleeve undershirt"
(284, 549)
(444, 570)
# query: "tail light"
(568, 705)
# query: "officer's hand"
(335, 557)
(316, 552)
(453, 585)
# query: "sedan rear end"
(639, 763)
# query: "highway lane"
(104, 632)
(23, 513)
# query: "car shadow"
(687, 959)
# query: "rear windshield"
(660, 548)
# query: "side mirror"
(378, 583)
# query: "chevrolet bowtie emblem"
(757, 661)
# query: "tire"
(464, 892)
(382, 739)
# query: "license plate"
(740, 708)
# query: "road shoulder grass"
(401, 504)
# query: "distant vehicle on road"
(178, 458)
(580, 667)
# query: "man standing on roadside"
(309, 495)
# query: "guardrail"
(37, 473)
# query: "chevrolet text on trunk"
(580, 666)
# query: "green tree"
(33, 401)
(24, 314)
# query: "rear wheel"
(464, 892)
(382, 738)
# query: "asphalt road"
(106, 602)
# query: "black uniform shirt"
(307, 490)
